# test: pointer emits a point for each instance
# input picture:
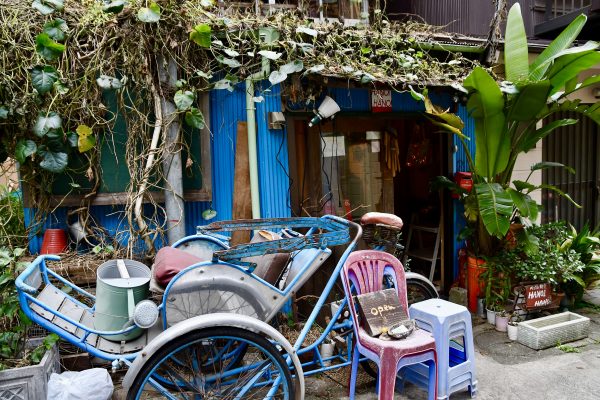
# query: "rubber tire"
(204, 334)
(428, 290)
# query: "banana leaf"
(530, 100)
(495, 208)
(516, 57)
(563, 41)
(486, 105)
(527, 207)
(569, 66)
(532, 137)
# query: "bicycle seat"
(377, 218)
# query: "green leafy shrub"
(12, 223)
(13, 322)
(552, 260)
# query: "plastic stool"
(456, 362)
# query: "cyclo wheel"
(187, 368)
(417, 291)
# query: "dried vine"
(56, 69)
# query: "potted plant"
(497, 282)
(23, 365)
(491, 314)
(585, 243)
(508, 119)
(551, 261)
(502, 318)
(513, 326)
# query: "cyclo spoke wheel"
(192, 367)
(417, 291)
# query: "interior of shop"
(352, 165)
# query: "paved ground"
(505, 370)
(509, 370)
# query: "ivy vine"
(60, 57)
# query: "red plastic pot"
(55, 241)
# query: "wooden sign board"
(380, 310)
(538, 296)
(381, 101)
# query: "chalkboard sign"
(380, 311)
(538, 296)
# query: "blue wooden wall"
(226, 109)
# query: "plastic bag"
(91, 384)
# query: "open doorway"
(358, 164)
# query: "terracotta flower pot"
(55, 241)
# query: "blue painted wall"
(226, 109)
(460, 164)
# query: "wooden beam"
(242, 205)
(103, 199)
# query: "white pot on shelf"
(327, 349)
(491, 316)
(513, 331)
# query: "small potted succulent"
(502, 318)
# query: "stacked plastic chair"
(448, 322)
(364, 272)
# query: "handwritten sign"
(538, 296)
(380, 310)
(381, 101)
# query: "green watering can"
(120, 285)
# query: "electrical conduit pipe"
(251, 123)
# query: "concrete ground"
(505, 370)
(508, 370)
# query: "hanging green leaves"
(114, 7)
(60, 87)
(72, 139)
(195, 118)
(86, 140)
(46, 122)
(56, 29)
(308, 31)
(149, 14)
(201, 35)
(108, 82)
(24, 149)
(53, 161)
(43, 78)
(230, 62)
(184, 99)
(291, 67)
(277, 77)
(48, 6)
(48, 48)
(271, 55)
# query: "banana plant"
(507, 117)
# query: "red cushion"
(169, 262)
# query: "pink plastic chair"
(364, 272)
